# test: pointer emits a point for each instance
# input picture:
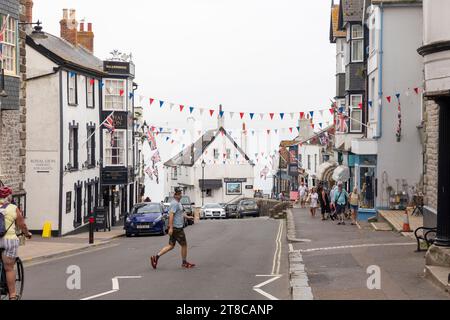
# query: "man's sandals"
(188, 265)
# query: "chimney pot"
(81, 26)
(89, 27)
(65, 14)
(72, 14)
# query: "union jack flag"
(151, 140)
(2, 35)
(342, 123)
(110, 126)
(156, 173)
(149, 172)
(156, 157)
(264, 173)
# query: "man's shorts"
(340, 209)
(179, 236)
(11, 247)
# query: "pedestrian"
(11, 218)
(332, 204)
(354, 205)
(324, 203)
(176, 233)
(314, 197)
(303, 190)
(340, 202)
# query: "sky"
(248, 55)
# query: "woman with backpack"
(10, 219)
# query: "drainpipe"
(380, 77)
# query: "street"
(232, 257)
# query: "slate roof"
(64, 53)
(190, 155)
(351, 11)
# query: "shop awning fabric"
(326, 170)
(210, 184)
(341, 173)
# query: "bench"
(428, 235)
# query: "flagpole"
(99, 127)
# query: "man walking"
(340, 202)
(176, 233)
(302, 193)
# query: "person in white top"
(314, 198)
(302, 191)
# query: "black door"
(123, 205)
(78, 206)
(90, 201)
(131, 197)
(443, 210)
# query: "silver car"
(212, 211)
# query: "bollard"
(91, 230)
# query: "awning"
(210, 184)
(341, 173)
(325, 171)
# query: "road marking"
(258, 287)
(115, 287)
(280, 249)
(276, 256)
(357, 246)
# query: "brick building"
(13, 98)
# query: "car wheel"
(128, 235)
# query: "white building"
(62, 176)
(391, 158)
(214, 163)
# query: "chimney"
(86, 38)
(69, 26)
(29, 11)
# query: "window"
(115, 95)
(309, 162)
(216, 154)
(10, 46)
(73, 148)
(174, 173)
(372, 40)
(115, 148)
(72, 88)
(90, 92)
(68, 202)
(355, 113)
(228, 154)
(91, 147)
(357, 44)
(372, 99)
(315, 163)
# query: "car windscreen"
(148, 208)
(185, 201)
(248, 203)
(212, 206)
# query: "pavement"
(342, 262)
(39, 249)
(236, 260)
(395, 218)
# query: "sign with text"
(101, 218)
(114, 176)
(121, 119)
(235, 180)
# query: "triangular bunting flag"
(291, 130)
(271, 115)
(292, 116)
(370, 104)
(282, 116)
(191, 109)
(332, 111)
(398, 95)
(312, 114)
(151, 101)
(298, 129)
(252, 115)
(302, 115)
(388, 99)
(211, 112)
(221, 113)
(416, 90)
(242, 115)
(171, 106)
(181, 108)
(231, 115)
(360, 105)
(161, 103)
(201, 111)
(121, 92)
(268, 131)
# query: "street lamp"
(203, 182)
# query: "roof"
(64, 53)
(334, 31)
(350, 11)
(190, 155)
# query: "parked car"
(187, 206)
(146, 218)
(213, 211)
(248, 208)
(232, 210)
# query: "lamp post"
(203, 182)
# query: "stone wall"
(431, 135)
(13, 124)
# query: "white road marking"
(115, 287)
(280, 249)
(277, 256)
(258, 287)
(358, 246)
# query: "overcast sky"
(249, 55)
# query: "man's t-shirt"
(302, 191)
(178, 214)
(340, 197)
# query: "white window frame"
(121, 158)
(90, 93)
(72, 90)
(113, 101)
(354, 108)
(174, 173)
(357, 38)
(10, 47)
(216, 154)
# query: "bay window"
(357, 43)
(115, 92)
(355, 113)
(10, 46)
(114, 145)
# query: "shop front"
(364, 179)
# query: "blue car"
(146, 218)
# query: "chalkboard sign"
(101, 218)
